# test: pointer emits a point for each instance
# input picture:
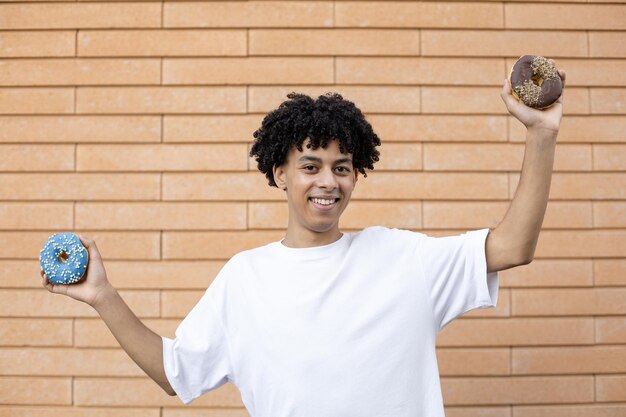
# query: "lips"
(323, 207)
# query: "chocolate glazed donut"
(535, 81)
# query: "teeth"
(323, 202)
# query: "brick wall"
(130, 122)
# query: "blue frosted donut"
(64, 258)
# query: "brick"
(248, 70)
(79, 186)
(477, 411)
(41, 303)
(162, 43)
(570, 16)
(249, 14)
(334, 42)
(36, 100)
(15, 390)
(36, 157)
(141, 100)
(610, 388)
(77, 412)
(580, 129)
(19, 274)
(35, 216)
(486, 100)
(37, 44)
(462, 100)
(572, 302)
(418, 14)
(177, 303)
(581, 243)
(80, 129)
(420, 70)
(549, 273)
(499, 157)
(477, 215)
(609, 157)
(427, 186)
(608, 100)
(513, 43)
(439, 128)
(93, 332)
(609, 272)
(579, 186)
(503, 309)
(567, 214)
(67, 362)
(142, 392)
(160, 216)
(475, 361)
(588, 72)
(543, 331)
(112, 245)
(79, 71)
(35, 332)
(607, 44)
(214, 245)
(80, 15)
(568, 360)
(162, 157)
(517, 390)
(578, 410)
(610, 329)
(609, 214)
(161, 275)
(219, 186)
(451, 214)
(223, 128)
(369, 99)
(400, 156)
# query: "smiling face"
(319, 184)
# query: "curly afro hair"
(322, 120)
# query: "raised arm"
(514, 240)
(140, 343)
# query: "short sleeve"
(198, 359)
(455, 270)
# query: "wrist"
(104, 296)
(542, 134)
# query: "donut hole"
(537, 79)
(63, 257)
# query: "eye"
(344, 169)
(308, 166)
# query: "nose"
(327, 179)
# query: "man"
(325, 323)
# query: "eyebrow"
(316, 159)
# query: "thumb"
(506, 95)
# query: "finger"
(91, 246)
(562, 75)
(57, 289)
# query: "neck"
(307, 238)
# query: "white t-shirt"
(344, 329)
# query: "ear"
(279, 177)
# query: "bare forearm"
(519, 230)
(140, 343)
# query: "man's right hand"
(94, 285)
